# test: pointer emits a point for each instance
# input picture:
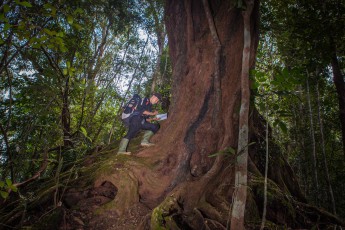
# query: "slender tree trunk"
(302, 125)
(312, 133)
(135, 72)
(65, 115)
(82, 107)
(339, 83)
(4, 130)
(160, 34)
(266, 174)
(237, 216)
(157, 75)
(330, 190)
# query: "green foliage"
(227, 152)
(298, 39)
(67, 68)
(5, 188)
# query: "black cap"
(158, 95)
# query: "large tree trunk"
(194, 95)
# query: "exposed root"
(211, 212)
(212, 224)
(162, 215)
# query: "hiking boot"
(145, 141)
(123, 146)
(147, 144)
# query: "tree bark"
(217, 56)
(239, 204)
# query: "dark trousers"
(137, 123)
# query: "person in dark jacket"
(140, 120)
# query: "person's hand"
(152, 119)
(150, 113)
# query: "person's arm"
(152, 119)
(154, 113)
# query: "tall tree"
(239, 204)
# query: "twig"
(38, 173)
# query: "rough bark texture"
(176, 185)
(241, 176)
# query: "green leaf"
(8, 182)
(275, 123)
(65, 71)
(14, 188)
(6, 8)
(36, 45)
(26, 4)
(251, 143)
(83, 130)
(69, 19)
(7, 26)
(63, 48)
(78, 11)
(2, 17)
(216, 154)
(283, 127)
(49, 32)
(231, 150)
(255, 85)
(4, 194)
(2, 184)
(47, 6)
(60, 34)
(77, 26)
(53, 11)
(228, 151)
(285, 73)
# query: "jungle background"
(68, 67)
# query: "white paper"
(162, 116)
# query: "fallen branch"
(38, 173)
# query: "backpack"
(130, 108)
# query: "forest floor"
(93, 211)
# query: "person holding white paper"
(136, 117)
